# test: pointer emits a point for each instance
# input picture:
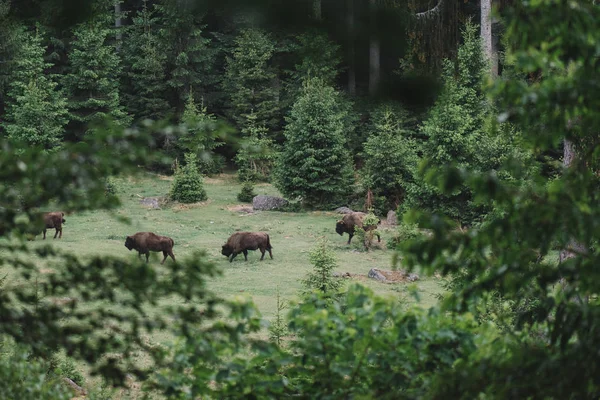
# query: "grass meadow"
(207, 225)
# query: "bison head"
(226, 250)
(340, 227)
(129, 243)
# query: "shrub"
(188, 186)
(366, 237)
(247, 193)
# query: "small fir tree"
(247, 193)
(93, 79)
(188, 186)
(366, 237)
(321, 278)
(278, 328)
(314, 164)
(256, 156)
(37, 112)
(390, 159)
(200, 137)
(249, 79)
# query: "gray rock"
(412, 277)
(153, 202)
(392, 219)
(266, 203)
(343, 210)
(374, 273)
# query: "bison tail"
(269, 242)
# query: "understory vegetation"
(480, 144)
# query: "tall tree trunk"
(351, 56)
(486, 36)
(374, 50)
(317, 9)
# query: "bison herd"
(239, 242)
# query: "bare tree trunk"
(351, 56)
(486, 36)
(317, 9)
(374, 51)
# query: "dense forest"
(475, 121)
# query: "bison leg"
(263, 254)
(246, 255)
(166, 254)
(350, 235)
(147, 256)
(270, 254)
(232, 256)
(44, 233)
(56, 233)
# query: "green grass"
(207, 225)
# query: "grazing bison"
(144, 242)
(54, 220)
(351, 221)
(241, 242)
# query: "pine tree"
(146, 59)
(189, 57)
(200, 137)
(455, 132)
(321, 278)
(314, 164)
(188, 186)
(250, 79)
(390, 159)
(256, 156)
(37, 111)
(93, 79)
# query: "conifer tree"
(256, 156)
(37, 111)
(188, 186)
(390, 159)
(250, 79)
(455, 132)
(145, 62)
(189, 57)
(314, 164)
(93, 79)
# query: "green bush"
(247, 193)
(366, 237)
(188, 186)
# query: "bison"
(144, 242)
(350, 221)
(54, 220)
(241, 242)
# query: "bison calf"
(241, 242)
(352, 220)
(145, 242)
(54, 220)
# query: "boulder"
(343, 210)
(266, 203)
(376, 274)
(392, 219)
(392, 276)
(153, 202)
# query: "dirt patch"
(165, 177)
(183, 206)
(388, 276)
(241, 208)
(47, 271)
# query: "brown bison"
(144, 242)
(54, 220)
(351, 221)
(241, 242)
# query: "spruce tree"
(37, 111)
(145, 62)
(250, 79)
(314, 165)
(190, 59)
(390, 159)
(188, 186)
(93, 79)
(256, 156)
(455, 132)
(200, 137)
